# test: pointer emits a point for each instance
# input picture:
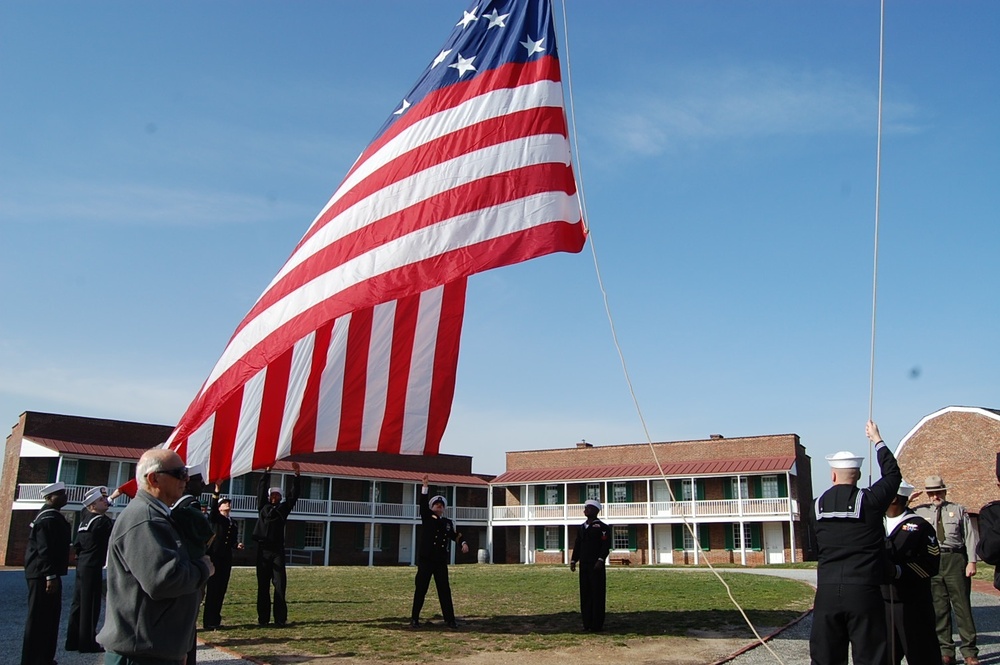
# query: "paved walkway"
(15, 592)
(792, 644)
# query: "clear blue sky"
(158, 162)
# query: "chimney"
(583, 444)
(716, 437)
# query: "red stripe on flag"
(272, 408)
(400, 357)
(304, 433)
(227, 421)
(355, 380)
(445, 363)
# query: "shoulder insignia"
(909, 527)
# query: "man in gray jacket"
(153, 584)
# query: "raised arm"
(293, 494)
(262, 485)
(884, 489)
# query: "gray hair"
(150, 461)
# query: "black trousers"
(271, 570)
(41, 628)
(85, 610)
(215, 592)
(911, 625)
(593, 592)
(439, 571)
(848, 614)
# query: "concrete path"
(14, 591)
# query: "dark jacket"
(988, 548)
(849, 530)
(48, 546)
(270, 528)
(915, 557)
(92, 539)
(436, 536)
(227, 533)
(593, 542)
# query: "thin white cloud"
(745, 102)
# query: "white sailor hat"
(844, 460)
(198, 469)
(436, 499)
(273, 490)
(58, 486)
(905, 489)
(94, 494)
(593, 502)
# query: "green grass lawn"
(363, 612)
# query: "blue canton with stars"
(487, 35)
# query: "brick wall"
(959, 446)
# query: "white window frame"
(69, 470)
(551, 536)
(769, 487)
(551, 495)
(689, 544)
(368, 537)
(619, 492)
(593, 491)
(687, 489)
(619, 534)
(741, 487)
(746, 541)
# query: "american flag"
(354, 343)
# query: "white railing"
(242, 504)
(655, 510)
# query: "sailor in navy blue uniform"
(433, 556)
(227, 539)
(591, 549)
(909, 606)
(45, 562)
(853, 562)
(91, 545)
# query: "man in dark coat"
(853, 563)
(45, 562)
(909, 606)
(269, 532)
(591, 549)
(433, 554)
(221, 550)
(988, 548)
(91, 545)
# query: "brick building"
(960, 444)
(354, 508)
(743, 497)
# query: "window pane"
(619, 493)
(741, 488)
(741, 538)
(237, 485)
(688, 538)
(368, 539)
(551, 495)
(620, 538)
(687, 489)
(552, 537)
(769, 487)
(314, 535)
(594, 491)
(67, 472)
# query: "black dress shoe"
(414, 623)
(452, 624)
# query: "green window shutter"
(755, 537)
(730, 545)
(675, 489)
(53, 469)
(783, 486)
(359, 538)
(561, 494)
(632, 540)
(703, 538)
(562, 538)
(539, 538)
(299, 535)
(699, 489)
(81, 472)
(677, 530)
(628, 492)
(727, 488)
(757, 490)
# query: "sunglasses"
(180, 473)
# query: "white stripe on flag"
(298, 377)
(377, 376)
(331, 389)
(418, 389)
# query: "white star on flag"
(467, 18)
(496, 20)
(402, 108)
(440, 58)
(464, 65)
(533, 46)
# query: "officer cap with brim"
(273, 490)
(437, 498)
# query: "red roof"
(692, 468)
(316, 468)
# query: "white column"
(413, 531)
(371, 528)
(743, 543)
(649, 536)
(489, 523)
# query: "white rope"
(614, 335)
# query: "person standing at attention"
(269, 532)
(952, 586)
(45, 563)
(433, 555)
(853, 563)
(591, 550)
(91, 553)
